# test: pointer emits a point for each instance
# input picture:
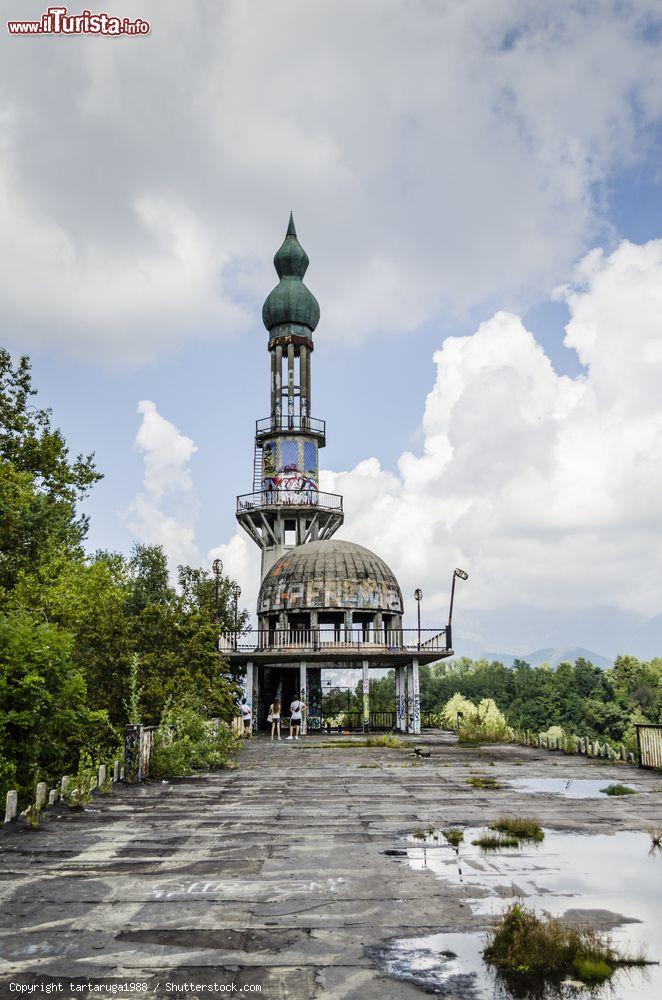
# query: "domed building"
(323, 602)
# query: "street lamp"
(457, 574)
(217, 568)
(418, 594)
(236, 590)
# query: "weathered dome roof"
(330, 575)
(290, 307)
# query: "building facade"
(323, 602)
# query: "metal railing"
(306, 425)
(289, 498)
(383, 721)
(320, 640)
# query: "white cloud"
(164, 512)
(241, 562)
(545, 488)
(436, 156)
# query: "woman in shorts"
(274, 718)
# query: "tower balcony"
(271, 499)
(295, 424)
(382, 646)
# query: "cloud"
(545, 488)
(145, 182)
(164, 512)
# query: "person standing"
(296, 711)
(247, 714)
(274, 718)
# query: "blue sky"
(148, 183)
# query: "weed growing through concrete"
(454, 836)
(419, 834)
(525, 945)
(655, 834)
(520, 827)
(618, 790)
(495, 841)
(389, 742)
(483, 781)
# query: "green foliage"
(454, 836)
(72, 625)
(483, 781)
(526, 945)
(185, 742)
(79, 792)
(567, 700)
(495, 842)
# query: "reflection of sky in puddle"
(567, 871)
(568, 788)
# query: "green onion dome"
(290, 308)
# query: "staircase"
(257, 469)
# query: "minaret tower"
(286, 507)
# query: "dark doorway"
(277, 682)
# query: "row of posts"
(576, 744)
(44, 798)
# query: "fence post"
(52, 796)
(40, 800)
(102, 774)
(11, 806)
(116, 771)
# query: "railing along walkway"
(321, 640)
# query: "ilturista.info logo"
(58, 21)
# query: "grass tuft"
(419, 834)
(525, 944)
(618, 790)
(483, 781)
(655, 834)
(454, 835)
(520, 827)
(495, 841)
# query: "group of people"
(296, 712)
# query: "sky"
(477, 185)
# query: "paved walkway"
(271, 874)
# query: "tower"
(286, 507)
(322, 602)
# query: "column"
(410, 697)
(401, 722)
(279, 384)
(366, 696)
(348, 626)
(303, 382)
(416, 696)
(290, 383)
(274, 396)
(248, 689)
(303, 695)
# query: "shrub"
(454, 836)
(457, 704)
(184, 743)
(478, 722)
(79, 792)
(525, 944)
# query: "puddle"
(615, 877)
(568, 788)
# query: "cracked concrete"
(274, 873)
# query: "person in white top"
(247, 714)
(296, 709)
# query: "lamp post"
(418, 594)
(217, 568)
(457, 574)
(236, 590)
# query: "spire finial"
(290, 304)
(291, 231)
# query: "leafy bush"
(185, 742)
(520, 827)
(476, 723)
(618, 790)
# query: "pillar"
(274, 397)
(303, 695)
(416, 697)
(290, 382)
(410, 697)
(303, 382)
(11, 806)
(348, 626)
(366, 696)
(248, 687)
(401, 720)
(279, 383)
